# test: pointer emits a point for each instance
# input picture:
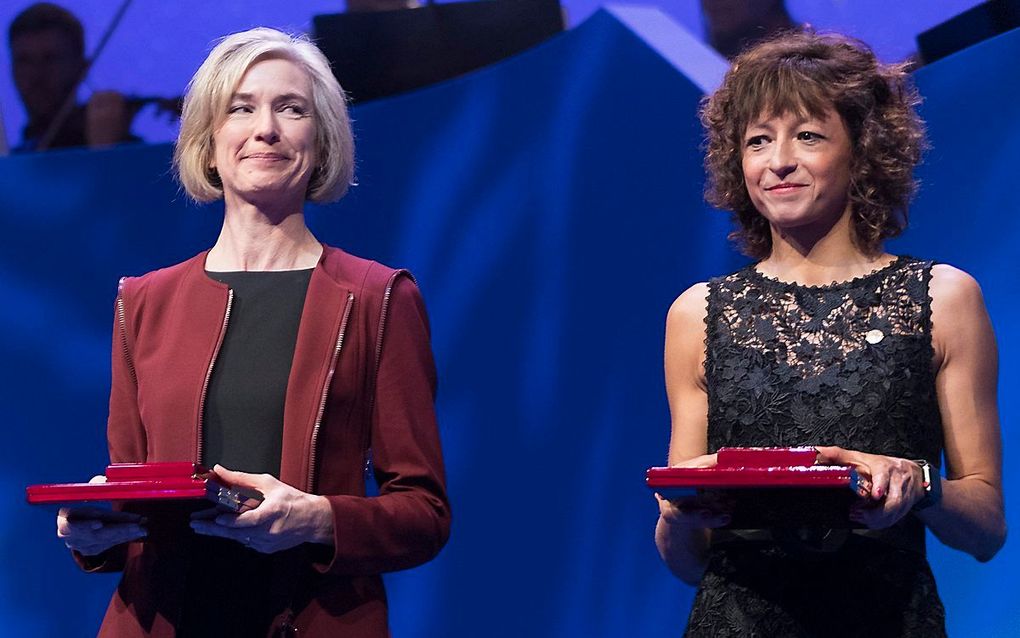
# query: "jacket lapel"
(200, 304)
(321, 317)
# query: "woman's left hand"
(892, 485)
(286, 517)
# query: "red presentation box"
(140, 483)
(764, 487)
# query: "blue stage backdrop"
(551, 209)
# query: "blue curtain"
(551, 209)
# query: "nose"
(782, 161)
(267, 127)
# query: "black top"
(849, 364)
(232, 590)
(243, 422)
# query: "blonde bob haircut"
(209, 94)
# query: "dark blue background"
(551, 209)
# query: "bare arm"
(682, 536)
(971, 515)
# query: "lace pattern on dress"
(849, 364)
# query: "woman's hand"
(92, 530)
(891, 486)
(696, 512)
(286, 518)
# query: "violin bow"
(72, 96)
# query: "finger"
(241, 479)
(82, 526)
(832, 455)
(84, 517)
(863, 486)
(105, 536)
(667, 509)
(705, 460)
(894, 496)
(697, 518)
(86, 512)
(210, 528)
(91, 549)
(206, 514)
(896, 503)
(230, 519)
(251, 518)
(880, 483)
(113, 516)
(826, 453)
(112, 532)
(236, 532)
(246, 536)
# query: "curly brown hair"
(808, 73)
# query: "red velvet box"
(148, 482)
(764, 487)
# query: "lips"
(784, 187)
(265, 156)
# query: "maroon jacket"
(362, 382)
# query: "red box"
(145, 482)
(764, 487)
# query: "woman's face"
(797, 168)
(264, 149)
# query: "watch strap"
(932, 483)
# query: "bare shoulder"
(689, 309)
(685, 335)
(955, 294)
(959, 321)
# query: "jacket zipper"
(208, 374)
(367, 466)
(122, 320)
(313, 450)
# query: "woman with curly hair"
(884, 363)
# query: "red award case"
(154, 483)
(764, 487)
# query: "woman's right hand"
(695, 512)
(92, 530)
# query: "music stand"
(377, 54)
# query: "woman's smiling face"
(264, 148)
(797, 167)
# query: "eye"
(239, 108)
(294, 109)
(757, 141)
(809, 136)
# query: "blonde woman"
(286, 364)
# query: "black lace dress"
(850, 365)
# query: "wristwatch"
(932, 486)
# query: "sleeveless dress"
(848, 364)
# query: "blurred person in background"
(733, 25)
(47, 45)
